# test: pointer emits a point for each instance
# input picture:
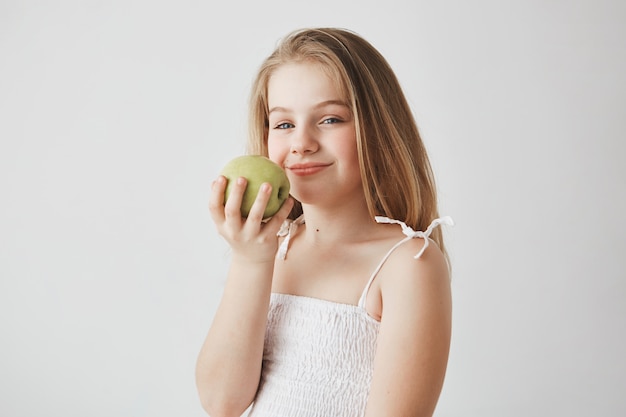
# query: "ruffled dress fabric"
(318, 359)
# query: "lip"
(308, 168)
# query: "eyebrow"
(317, 106)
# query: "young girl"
(340, 304)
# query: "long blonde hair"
(397, 176)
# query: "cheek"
(347, 147)
(276, 152)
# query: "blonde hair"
(397, 176)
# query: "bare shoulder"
(403, 263)
(414, 337)
(405, 280)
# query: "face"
(312, 135)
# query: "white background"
(115, 116)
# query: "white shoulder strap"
(288, 229)
(410, 234)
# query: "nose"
(304, 141)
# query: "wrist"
(253, 260)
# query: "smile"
(307, 169)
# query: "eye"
(284, 125)
(331, 120)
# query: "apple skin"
(257, 169)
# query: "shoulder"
(415, 331)
(410, 285)
(431, 261)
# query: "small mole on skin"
(317, 230)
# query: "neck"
(337, 224)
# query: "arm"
(229, 364)
(414, 337)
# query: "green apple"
(257, 169)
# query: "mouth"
(307, 168)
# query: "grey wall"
(115, 117)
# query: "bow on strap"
(410, 233)
(287, 229)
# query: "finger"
(255, 216)
(232, 207)
(216, 199)
(281, 215)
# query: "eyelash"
(278, 126)
(329, 121)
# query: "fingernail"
(241, 180)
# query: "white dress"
(318, 355)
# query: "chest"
(337, 275)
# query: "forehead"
(302, 81)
